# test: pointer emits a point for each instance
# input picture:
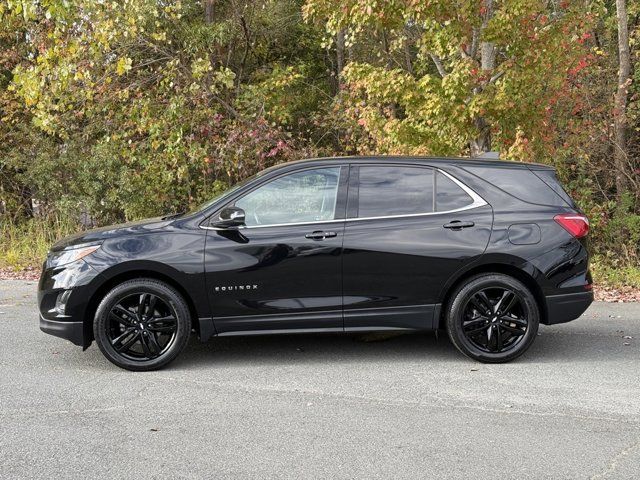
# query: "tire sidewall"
(456, 311)
(132, 287)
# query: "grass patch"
(26, 244)
(604, 273)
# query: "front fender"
(177, 257)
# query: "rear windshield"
(549, 177)
(524, 184)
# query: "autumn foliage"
(118, 110)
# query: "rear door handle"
(458, 225)
(320, 235)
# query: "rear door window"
(394, 190)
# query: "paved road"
(323, 406)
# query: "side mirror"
(230, 217)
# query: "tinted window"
(522, 183)
(306, 196)
(549, 177)
(394, 190)
(449, 196)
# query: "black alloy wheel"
(142, 324)
(492, 318)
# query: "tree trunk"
(26, 198)
(620, 101)
(209, 11)
(482, 142)
(339, 57)
(406, 46)
(387, 50)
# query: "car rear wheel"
(142, 324)
(492, 318)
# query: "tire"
(142, 324)
(479, 328)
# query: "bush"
(25, 244)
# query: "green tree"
(150, 106)
(459, 77)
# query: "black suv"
(486, 249)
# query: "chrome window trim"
(478, 201)
(276, 225)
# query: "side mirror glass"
(230, 217)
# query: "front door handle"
(458, 225)
(320, 235)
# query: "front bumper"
(566, 307)
(72, 331)
(69, 318)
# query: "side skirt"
(287, 331)
(410, 318)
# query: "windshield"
(223, 194)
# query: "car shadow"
(549, 347)
(315, 348)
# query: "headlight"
(71, 254)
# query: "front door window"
(302, 197)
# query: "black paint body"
(373, 274)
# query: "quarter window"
(306, 196)
(521, 183)
(394, 190)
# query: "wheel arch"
(517, 272)
(119, 276)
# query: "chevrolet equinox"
(485, 249)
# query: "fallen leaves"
(616, 294)
(29, 273)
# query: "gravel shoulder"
(323, 406)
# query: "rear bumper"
(72, 331)
(567, 307)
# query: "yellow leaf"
(123, 65)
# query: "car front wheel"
(142, 324)
(492, 318)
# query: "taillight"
(576, 224)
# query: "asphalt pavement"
(323, 406)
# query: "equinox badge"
(230, 288)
